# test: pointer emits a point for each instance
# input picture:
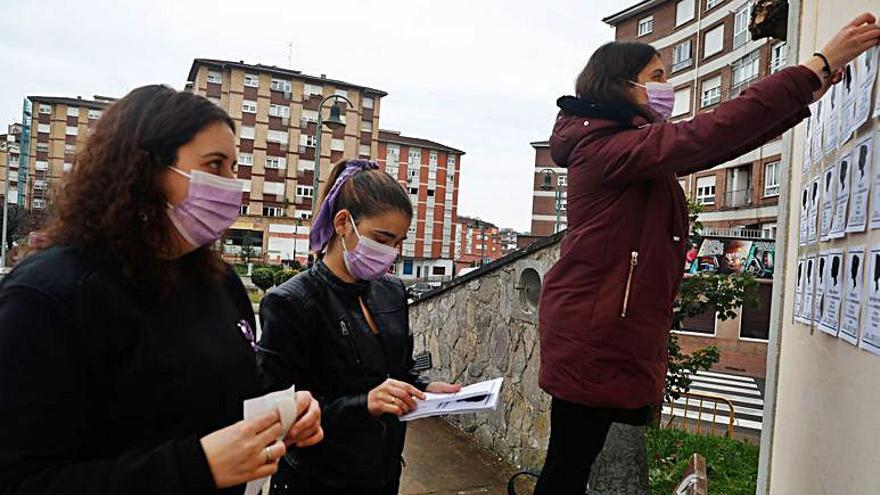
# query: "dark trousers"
(289, 481)
(577, 435)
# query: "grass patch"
(732, 465)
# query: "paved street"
(442, 461)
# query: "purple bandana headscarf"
(322, 227)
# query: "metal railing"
(735, 232)
(739, 197)
(691, 413)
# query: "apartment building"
(478, 243)
(276, 115)
(10, 151)
(549, 193)
(429, 171)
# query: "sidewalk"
(440, 460)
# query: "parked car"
(418, 290)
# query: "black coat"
(315, 336)
(105, 388)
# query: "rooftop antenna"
(290, 54)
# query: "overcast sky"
(478, 75)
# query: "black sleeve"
(45, 427)
(284, 357)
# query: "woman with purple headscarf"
(341, 330)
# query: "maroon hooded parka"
(606, 305)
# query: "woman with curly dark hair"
(126, 347)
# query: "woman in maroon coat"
(607, 304)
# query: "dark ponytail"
(368, 193)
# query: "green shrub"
(264, 278)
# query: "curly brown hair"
(112, 202)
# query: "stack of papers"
(481, 396)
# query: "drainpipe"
(697, 94)
(780, 279)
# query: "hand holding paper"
(481, 396)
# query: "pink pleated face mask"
(210, 207)
(369, 260)
(661, 97)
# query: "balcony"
(684, 64)
(737, 198)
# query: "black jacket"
(315, 336)
(105, 388)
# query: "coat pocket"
(350, 339)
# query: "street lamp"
(547, 185)
(333, 122)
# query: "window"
(70, 148)
(303, 214)
(684, 12)
(682, 56)
(741, 25)
(307, 141)
(392, 160)
(341, 92)
(646, 25)
(249, 106)
(337, 144)
(67, 167)
(415, 159)
(365, 150)
(430, 193)
(39, 185)
(745, 69)
(252, 80)
(706, 190)
(305, 191)
(755, 319)
(94, 114)
(414, 191)
(682, 102)
(771, 179)
(276, 162)
(38, 204)
(711, 4)
(43, 128)
(279, 111)
(276, 188)
(41, 165)
(311, 89)
(778, 56)
(277, 136)
(769, 230)
(280, 85)
(562, 181)
(438, 270)
(215, 77)
(243, 210)
(713, 42)
(711, 92)
(44, 147)
(309, 116)
(73, 111)
(245, 159)
(45, 109)
(245, 185)
(247, 132)
(71, 130)
(272, 211)
(366, 126)
(368, 102)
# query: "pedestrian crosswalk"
(742, 391)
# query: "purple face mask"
(661, 97)
(368, 260)
(210, 207)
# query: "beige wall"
(826, 434)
